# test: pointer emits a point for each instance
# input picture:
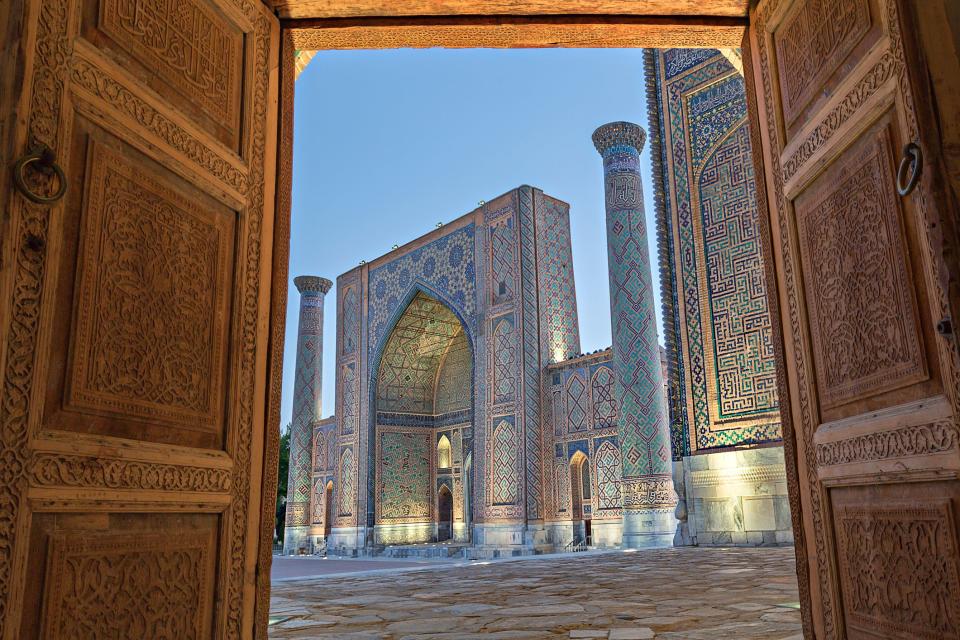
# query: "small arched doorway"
(444, 514)
(580, 498)
(327, 509)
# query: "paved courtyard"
(691, 593)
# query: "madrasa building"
(467, 419)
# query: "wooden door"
(133, 343)
(862, 273)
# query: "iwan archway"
(422, 428)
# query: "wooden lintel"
(573, 31)
(415, 8)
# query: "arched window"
(444, 453)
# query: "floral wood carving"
(864, 324)
(522, 32)
(150, 335)
(826, 610)
(32, 225)
(899, 570)
(916, 440)
(82, 471)
(128, 586)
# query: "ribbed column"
(644, 427)
(307, 407)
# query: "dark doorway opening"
(444, 515)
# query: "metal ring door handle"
(911, 163)
(40, 158)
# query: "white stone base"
(606, 534)
(648, 528)
(738, 498)
(498, 535)
(296, 541)
(406, 533)
(348, 541)
(461, 532)
(559, 534)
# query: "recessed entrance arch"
(327, 509)
(580, 496)
(422, 426)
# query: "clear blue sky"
(388, 143)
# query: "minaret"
(649, 498)
(307, 408)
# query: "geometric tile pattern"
(643, 423)
(561, 383)
(411, 357)
(559, 325)
(347, 478)
(506, 461)
(404, 477)
(503, 259)
(504, 359)
(576, 403)
(723, 386)
(603, 390)
(608, 477)
(531, 317)
(445, 265)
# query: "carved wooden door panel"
(134, 317)
(861, 258)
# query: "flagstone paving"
(690, 593)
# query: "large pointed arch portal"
(423, 402)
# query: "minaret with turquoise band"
(649, 498)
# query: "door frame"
(608, 24)
(515, 30)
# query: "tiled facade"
(465, 411)
(717, 323)
(721, 370)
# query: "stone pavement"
(691, 593)
(300, 567)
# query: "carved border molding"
(751, 475)
(89, 76)
(29, 224)
(83, 471)
(517, 32)
(868, 85)
(648, 492)
(916, 440)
